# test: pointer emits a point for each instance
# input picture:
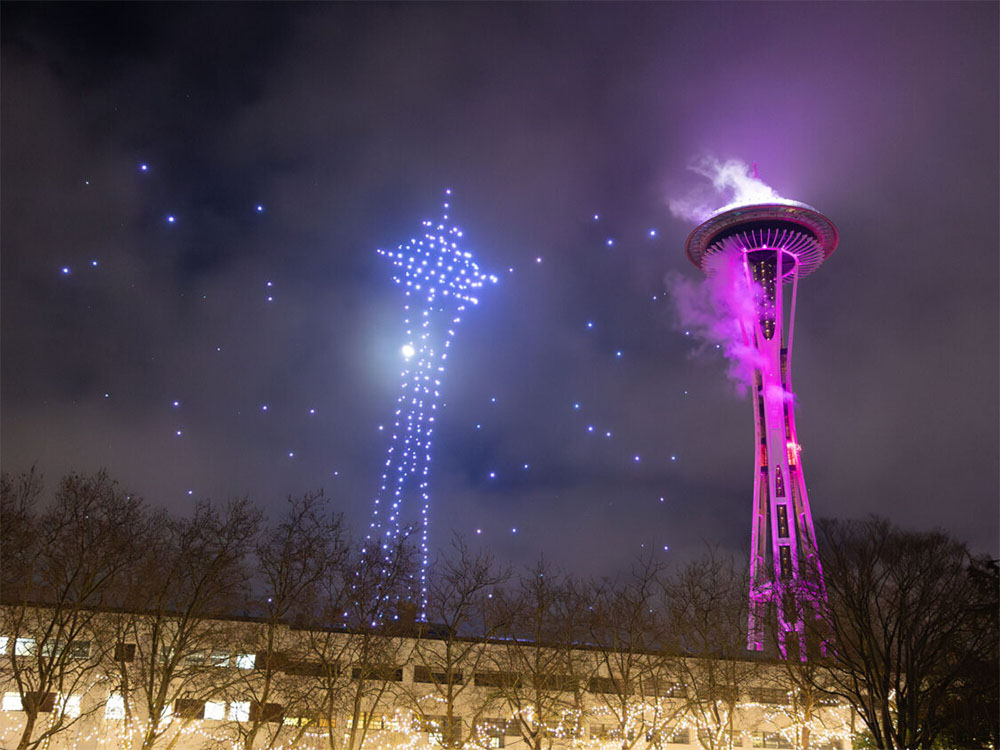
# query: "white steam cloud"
(733, 184)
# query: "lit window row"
(68, 705)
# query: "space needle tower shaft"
(766, 249)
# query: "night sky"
(289, 142)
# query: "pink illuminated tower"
(766, 249)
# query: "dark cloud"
(345, 122)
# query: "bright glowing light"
(65, 270)
(171, 219)
(439, 280)
(260, 208)
(144, 167)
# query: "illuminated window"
(196, 658)
(4, 642)
(215, 710)
(770, 739)
(244, 661)
(239, 711)
(115, 707)
(24, 647)
(12, 702)
(669, 736)
(490, 733)
(786, 561)
(365, 719)
(71, 706)
(218, 659)
(438, 728)
(600, 731)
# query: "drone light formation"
(440, 280)
(766, 248)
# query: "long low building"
(144, 681)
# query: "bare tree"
(359, 655)
(173, 641)
(904, 623)
(539, 669)
(293, 558)
(707, 606)
(62, 565)
(452, 646)
(634, 685)
(971, 716)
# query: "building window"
(783, 520)
(245, 661)
(769, 696)
(366, 720)
(490, 733)
(557, 683)
(382, 674)
(12, 702)
(439, 729)
(770, 739)
(24, 647)
(124, 652)
(602, 685)
(785, 554)
(42, 703)
(218, 659)
(70, 706)
(115, 707)
(79, 650)
(186, 708)
(675, 736)
(215, 710)
(196, 658)
(239, 711)
(424, 674)
(600, 731)
(305, 668)
(4, 642)
(498, 679)
(266, 712)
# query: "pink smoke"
(711, 311)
